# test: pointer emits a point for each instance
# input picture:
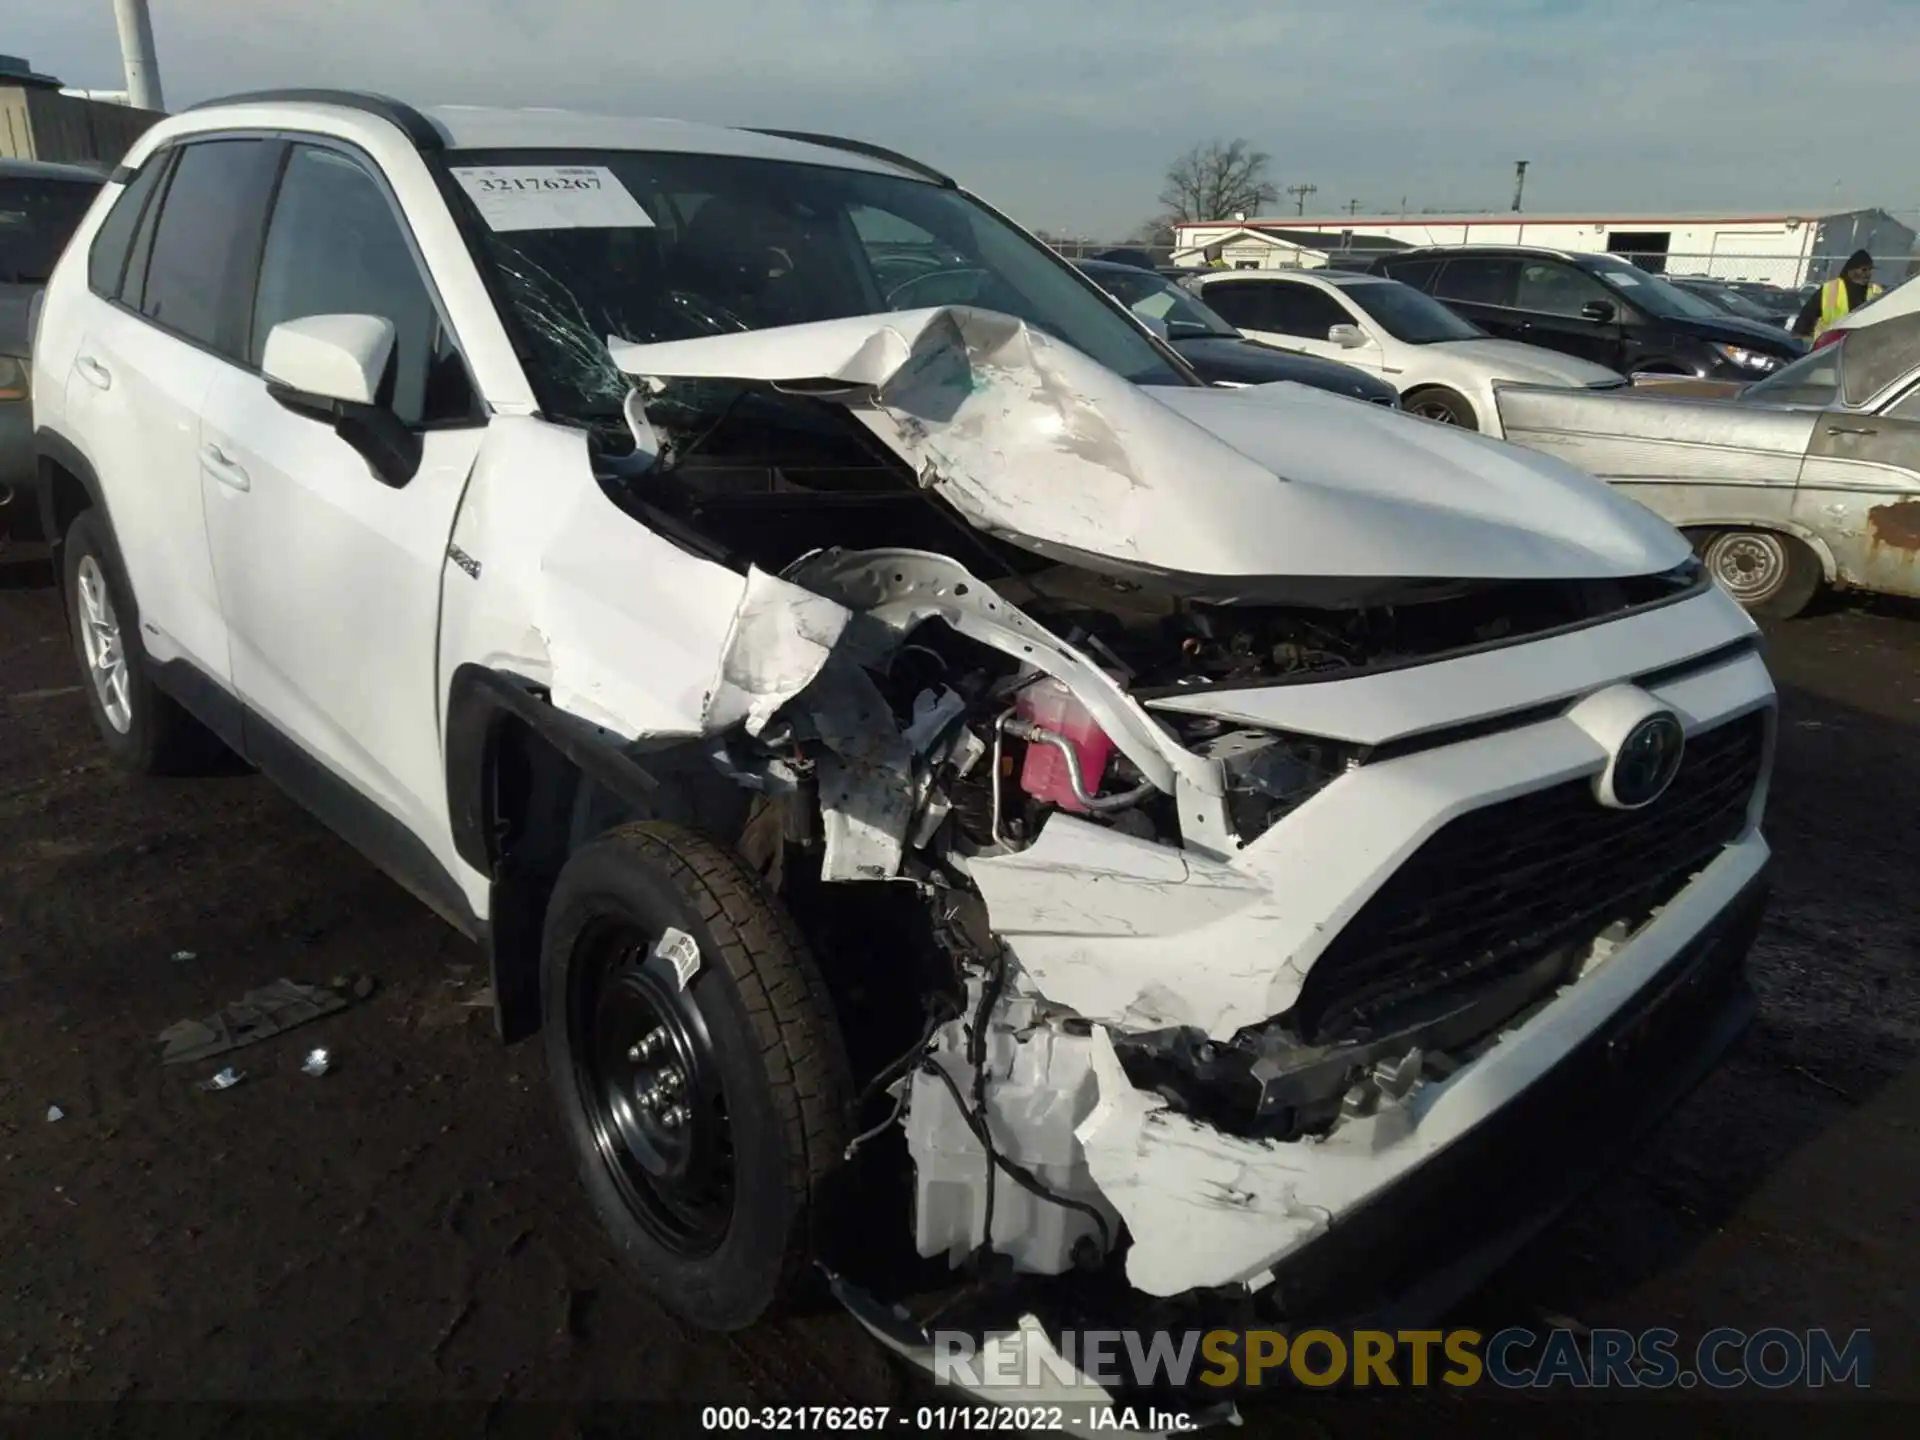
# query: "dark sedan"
(1218, 353)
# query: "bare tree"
(1216, 181)
(1154, 233)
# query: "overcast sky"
(1066, 112)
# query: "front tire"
(1769, 573)
(709, 1118)
(1444, 406)
(143, 728)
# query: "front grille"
(1500, 887)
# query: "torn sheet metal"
(1206, 1209)
(1030, 439)
(780, 637)
(1135, 933)
(867, 789)
(894, 591)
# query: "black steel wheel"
(699, 1069)
(644, 1063)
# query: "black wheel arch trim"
(53, 450)
(480, 700)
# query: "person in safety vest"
(1847, 291)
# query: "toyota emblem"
(1645, 764)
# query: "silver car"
(1810, 477)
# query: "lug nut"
(674, 1116)
(651, 1044)
(671, 1081)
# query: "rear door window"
(1479, 280)
(1240, 302)
(199, 274)
(1306, 312)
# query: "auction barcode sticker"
(551, 197)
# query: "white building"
(1781, 249)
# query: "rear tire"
(1769, 573)
(144, 729)
(1445, 406)
(711, 1151)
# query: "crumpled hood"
(1030, 439)
(1514, 360)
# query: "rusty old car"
(1808, 478)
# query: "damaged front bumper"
(1489, 1163)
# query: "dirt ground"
(408, 1227)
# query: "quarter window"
(107, 260)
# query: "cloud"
(1065, 112)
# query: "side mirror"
(1598, 311)
(330, 368)
(1347, 337)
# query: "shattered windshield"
(654, 247)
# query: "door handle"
(1852, 430)
(224, 470)
(94, 373)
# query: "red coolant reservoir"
(1049, 704)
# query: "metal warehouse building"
(1780, 249)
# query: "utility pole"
(1353, 208)
(1300, 193)
(1519, 183)
(136, 52)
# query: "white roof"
(482, 127)
(492, 127)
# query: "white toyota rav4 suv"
(959, 800)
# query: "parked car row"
(1445, 367)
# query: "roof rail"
(861, 147)
(415, 126)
